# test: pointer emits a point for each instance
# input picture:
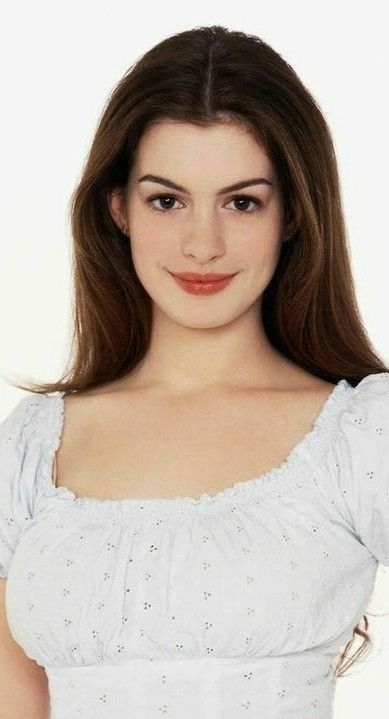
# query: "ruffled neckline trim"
(277, 479)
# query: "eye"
(245, 199)
(238, 198)
(160, 197)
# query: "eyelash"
(257, 203)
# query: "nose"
(204, 239)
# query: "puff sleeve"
(362, 453)
(19, 467)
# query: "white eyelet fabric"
(223, 606)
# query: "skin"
(216, 341)
(202, 348)
(212, 401)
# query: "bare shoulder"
(294, 379)
(290, 378)
(301, 394)
(294, 386)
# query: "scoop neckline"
(241, 490)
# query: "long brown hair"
(309, 309)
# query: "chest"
(271, 571)
(175, 448)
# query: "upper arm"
(362, 450)
(20, 469)
(23, 683)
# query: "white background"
(59, 61)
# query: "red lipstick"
(197, 283)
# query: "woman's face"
(201, 227)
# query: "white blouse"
(226, 606)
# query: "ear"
(116, 206)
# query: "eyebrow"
(236, 186)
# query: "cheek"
(146, 240)
(259, 241)
(262, 250)
(148, 245)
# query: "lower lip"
(203, 288)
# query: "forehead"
(214, 156)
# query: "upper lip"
(201, 277)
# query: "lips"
(198, 277)
(204, 287)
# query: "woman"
(192, 517)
